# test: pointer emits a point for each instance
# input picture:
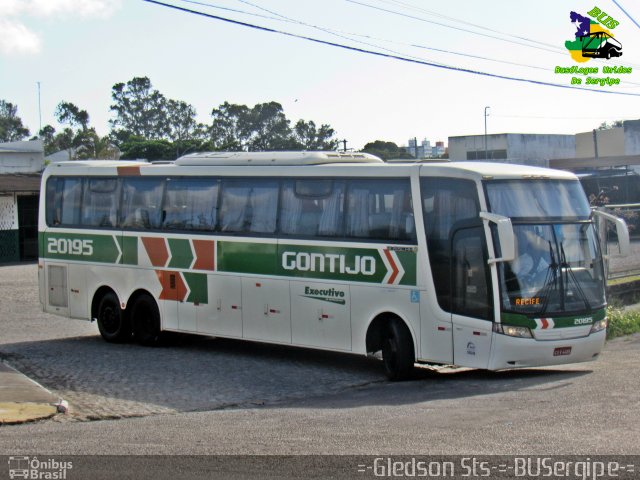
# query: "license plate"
(561, 351)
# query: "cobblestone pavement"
(101, 380)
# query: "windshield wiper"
(569, 273)
(550, 280)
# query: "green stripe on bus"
(181, 254)
(84, 247)
(129, 246)
(246, 257)
(198, 290)
(558, 322)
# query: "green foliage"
(139, 109)
(265, 127)
(11, 128)
(386, 150)
(608, 126)
(622, 322)
(67, 112)
(148, 149)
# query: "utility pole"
(39, 107)
(344, 145)
(415, 139)
(485, 132)
(595, 143)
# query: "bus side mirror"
(622, 231)
(506, 236)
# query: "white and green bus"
(479, 265)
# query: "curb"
(24, 400)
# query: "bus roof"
(490, 170)
(274, 158)
(347, 164)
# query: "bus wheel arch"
(114, 323)
(144, 312)
(390, 334)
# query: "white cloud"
(82, 8)
(15, 38)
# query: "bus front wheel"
(397, 351)
(113, 323)
(146, 321)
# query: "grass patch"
(623, 280)
(622, 322)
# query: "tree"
(11, 128)
(265, 127)
(140, 110)
(67, 112)
(226, 131)
(386, 150)
(608, 126)
(311, 138)
(137, 148)
(268, 128)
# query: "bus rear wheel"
(113, 323)
(146, 321)
(398, 354)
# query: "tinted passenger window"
(191, 204)
(100, 202)
(249, 206)
(380, 209)
(64, 199)
(141, 203)
(312, 207)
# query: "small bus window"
(191, 204)
(249, 206)
(305, 203)
(380, 209)
(141, 200)
(100, 202)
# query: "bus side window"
(54, 201)
(191, 204)
(100, 202)
(71, 201)
(141, 200)
(301, 205)
(380, 210)
(249, 206)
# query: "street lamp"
(485, 132)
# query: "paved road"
(208, 396)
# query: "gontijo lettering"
(329, 262)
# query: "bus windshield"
(558, 267)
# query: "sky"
(78, 49)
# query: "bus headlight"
(512, 330)
(599, 325)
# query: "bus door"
(471, 295)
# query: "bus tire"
(146, 321)
(398, 354)
(113, 322)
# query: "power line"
(464, 22)
(413, 17)
(385, 55)
(625, 12)
(552, 49)
(350, 36)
